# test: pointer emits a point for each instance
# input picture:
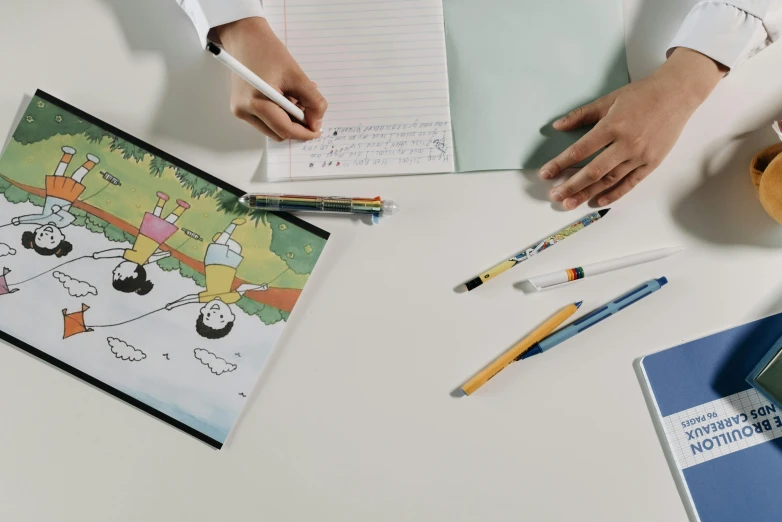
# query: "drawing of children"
(4, 284)
(48, 239)
(223, 257)
(130, 276)
(215, 319)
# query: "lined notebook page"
(381, 64)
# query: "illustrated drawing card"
(139, 273)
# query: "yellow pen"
(517, 351)
(540, 247)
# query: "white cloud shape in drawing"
(216, 365)
(75, 287)
(6, 250)
(124, 351)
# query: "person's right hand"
(254, 44)
(15, 221)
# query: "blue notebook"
(722, 438)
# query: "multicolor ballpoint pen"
(374, 207)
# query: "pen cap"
(663, 281)
(390, 207)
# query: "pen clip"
(549, 287)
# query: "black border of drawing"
(211, 179)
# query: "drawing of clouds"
(124, 351)
(6, 250)
(75, 287)
(216, 365)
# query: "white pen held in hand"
(563, 277)
(253, 79)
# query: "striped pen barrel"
(599, 315)
(296, 203)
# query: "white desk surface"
(354, 420)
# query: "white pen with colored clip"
(563, 277)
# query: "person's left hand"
(638, 125)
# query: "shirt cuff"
(722, 32)
(207, 14)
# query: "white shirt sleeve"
(731, 32)
(206, 14)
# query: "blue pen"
(595, 317)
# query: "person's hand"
(15, 221)
(56, 209)
(638, 125)
(254, 44)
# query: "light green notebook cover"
(515, 66)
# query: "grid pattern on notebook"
(721, 427)
(381, 64)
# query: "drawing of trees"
(296, 247)
(118, 193)
(44, 120)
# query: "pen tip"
(603, 212)
(212, 48)
(244, 200)
(578, 304)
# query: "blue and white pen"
(595, 317)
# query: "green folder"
(515, 66)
